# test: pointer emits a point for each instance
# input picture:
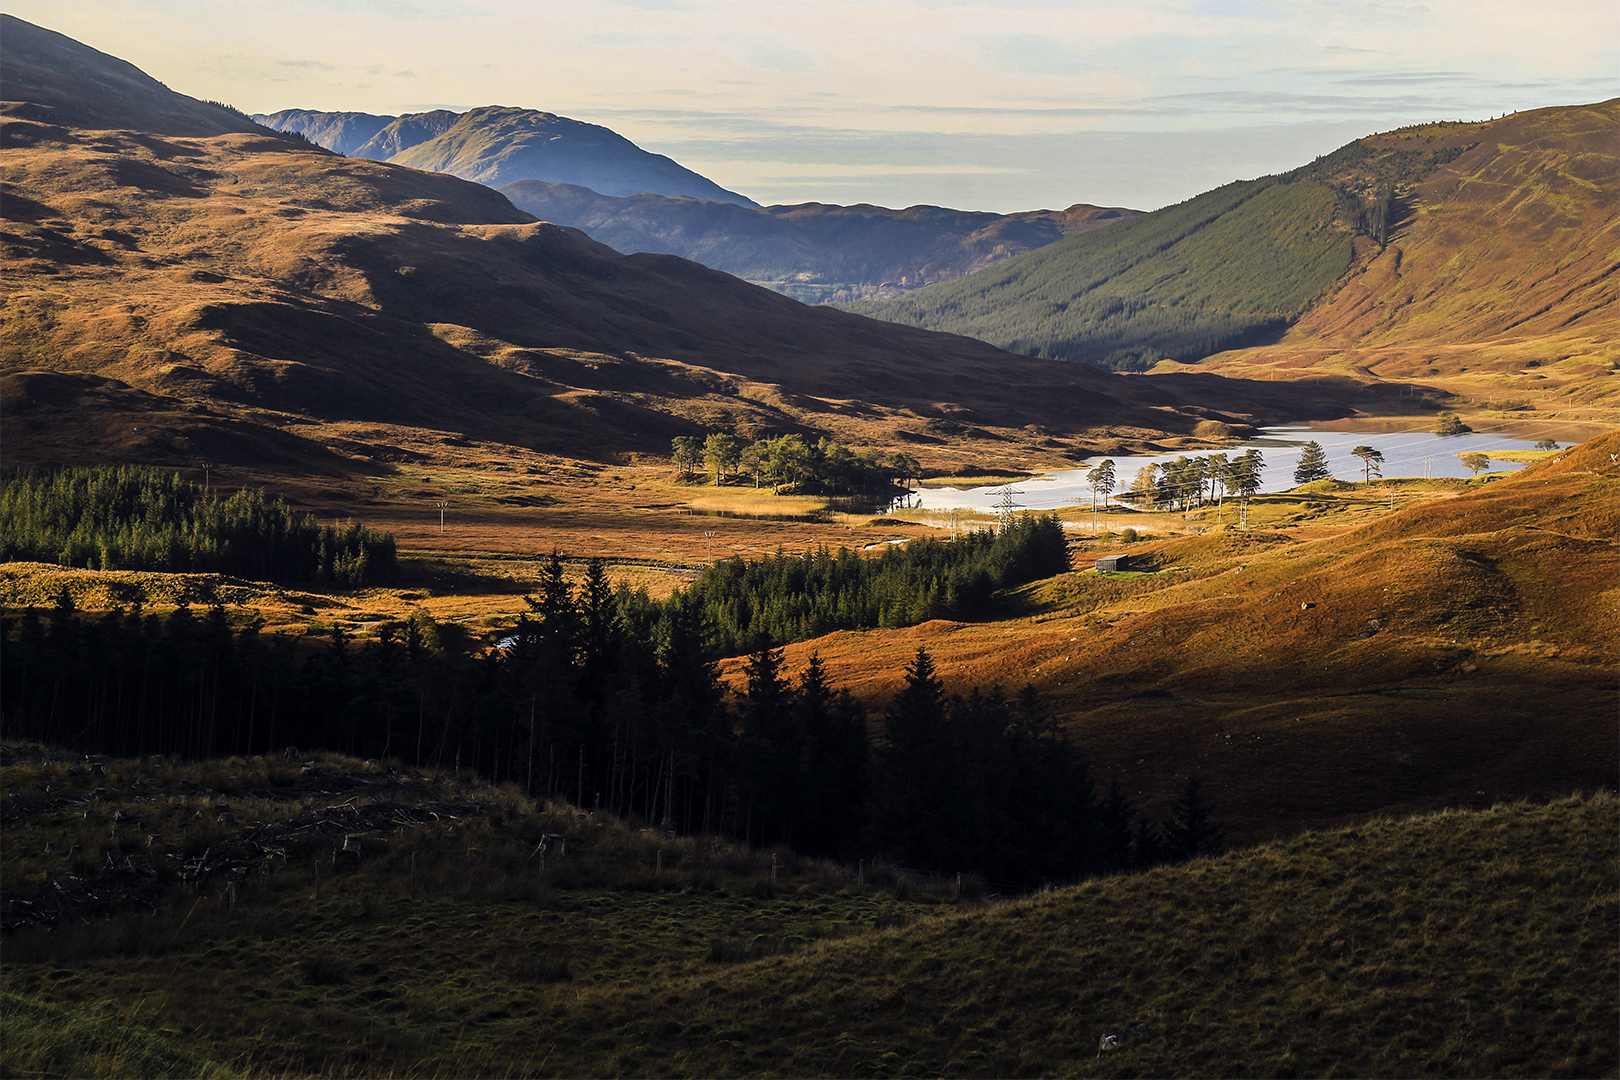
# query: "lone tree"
(1547, 444)
(1372, 462)
(1475, 463)
(1447, 424)
(1313, 464)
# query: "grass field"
(1457, 944)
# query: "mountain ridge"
(497, 144)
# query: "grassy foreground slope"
(437, 943)
(1472, 944)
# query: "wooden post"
(659, 873)
(773, 869)
(958, 895)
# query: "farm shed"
(1114, 562)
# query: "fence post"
(659, 873)
(317, 877)
(773, 869)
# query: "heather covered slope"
(812, 251)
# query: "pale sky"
(977, 104)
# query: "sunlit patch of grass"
(756, 502)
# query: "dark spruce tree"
(1191, 830)
(1313, 464)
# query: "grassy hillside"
(1183, 282)
(439, 943)
(811, 251)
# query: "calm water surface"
(1406, 453)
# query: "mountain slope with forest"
(812, 251)
(497, 145)
(1498, 270)
(1430, 237)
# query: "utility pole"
(708, 535)
(441, 506)
(206, 466)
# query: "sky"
(998, 105)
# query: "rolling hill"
(223, 291)
(496, 145)
(812, 251)
(1426, 246)
(1449, 652)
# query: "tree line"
(792, 461)
(133, 517)
(784, 598)
(602, 697)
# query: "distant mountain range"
(586, 176)
(812, 251)
(497, 145)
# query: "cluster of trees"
(786, 598)
(606, 699)
(1446, 423)
(792, 461)
(138, 518)
(1191, 481)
